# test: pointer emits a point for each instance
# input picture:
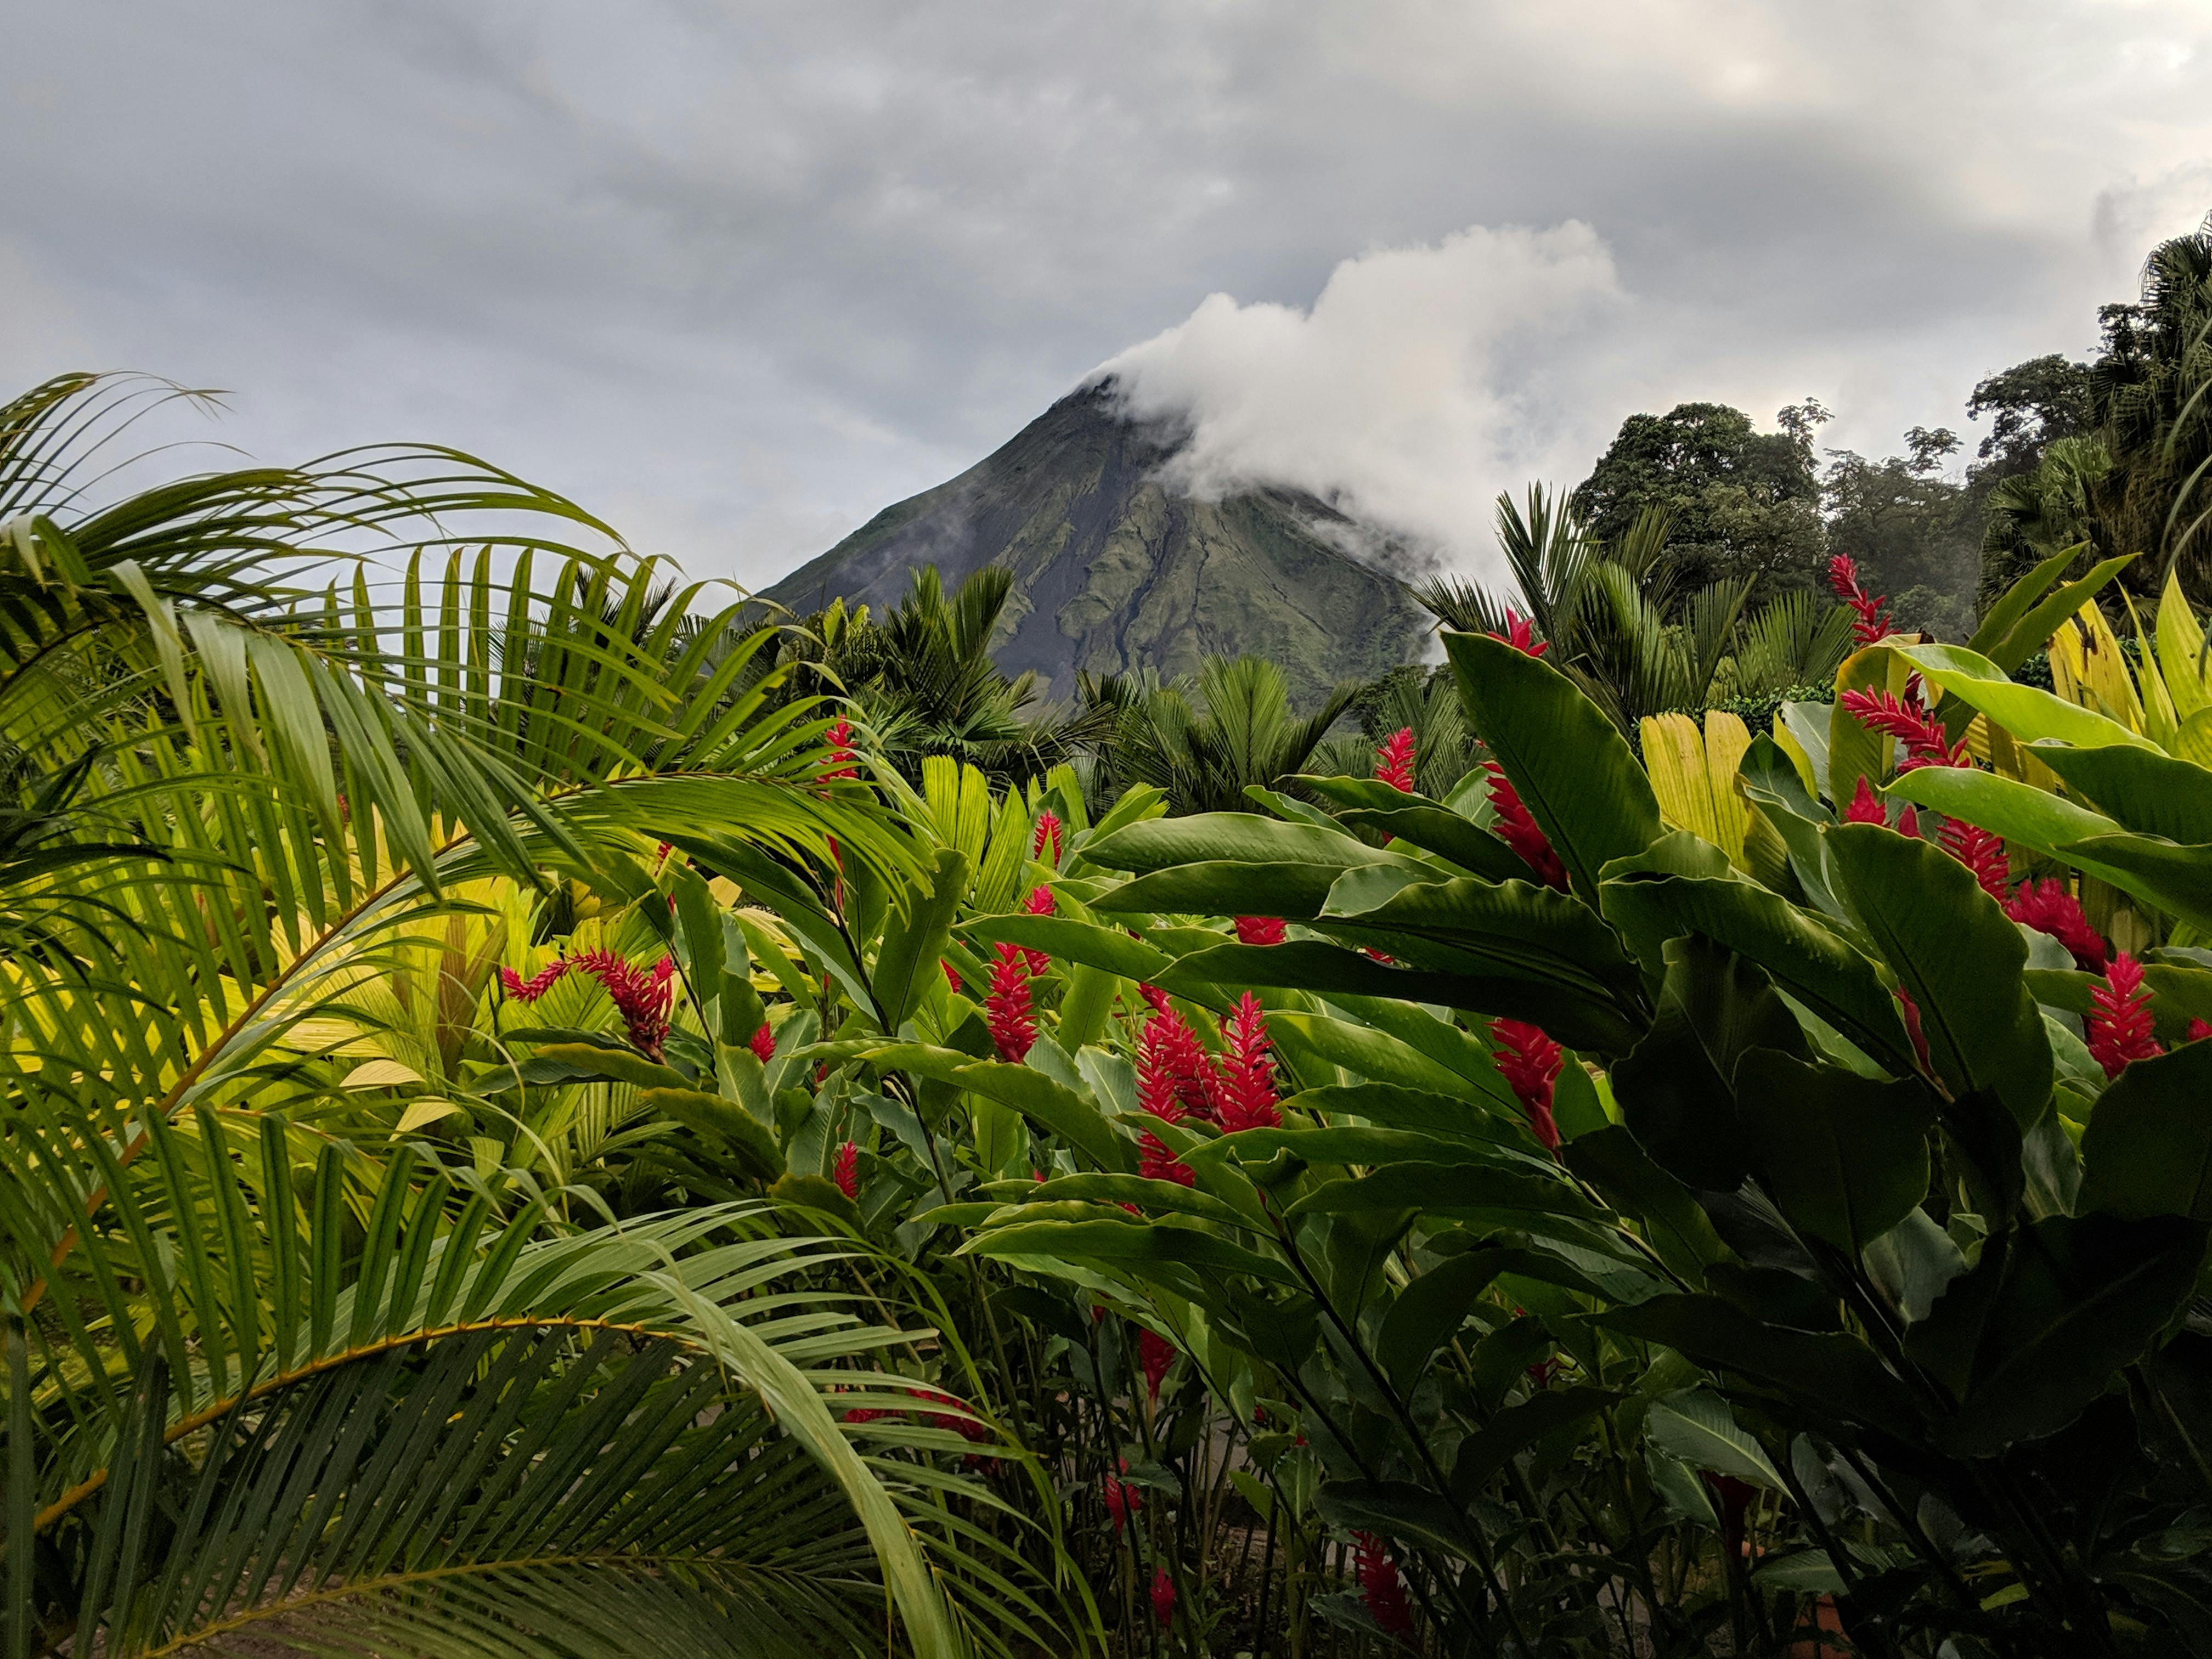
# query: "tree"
(1912, 530)
(1239, 734)
(2035, 404)
(1745, 504)
(2151, 400)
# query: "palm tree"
(1240, 734)
(2151, 398)
(304, 1352)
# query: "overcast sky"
(739, 275)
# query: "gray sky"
(737, 274)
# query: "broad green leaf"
(1572, 768)
(913, 943)
(1220, 888)
(1132, 1243)
(2030, 714)
(1107, 949)
(1959, 956)
(2150, 793)
(2148, 1148)
(1229, 838)
(2028, 633)
(2176, 879)
(1373, 1055)
(1518, 1427)
(1844, 1158)
(1696, 1426)
(722, 1120)
(1448, 1190)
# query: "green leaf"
(914, 943)
(1066, 940)
(1844, 1158)
(1448, 1190)
(2148, 1148)
(1833, 1376)
(1373, 1055)
(1610, 1160)
(588, 1061)
(1133, 1244)
(2008, 639)
(1696, 1426)
(721, 1120)
(2036, 1331)
(2029, 713)
(1960, 957)
(1220, 888)
(1572, 768)
(2148, 793)
(1231, 838)
(2176, 879)
(1518, 1428)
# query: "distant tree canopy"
(1744, 503)
(2032, 405)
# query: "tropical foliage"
(541, 1111)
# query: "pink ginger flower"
(1040, 902)
(529, 990)
(1158, 1093)
(1873, 619)
(2119, 1023)
(1047, 835)
(1981, 852)
(839, 738)
(1163, 1597)
(1259, 930)
(1864, 807)
(1007, 1009)
(1155, 1356)
(2049, 908)
(1911, 1012)
(847, 1170)
(1380, 1589)
(1393, 760)
(2198, 1031)
(640, 995)
(1519, 831)
(1530, 1063)
(1520, 634)
(1247, 1070)
(953, 977)
(1919, 734)
(1121, 1500)
(763, 1043)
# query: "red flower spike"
(2048, 908)
(1259, 930)
(1919, 734)
(1048, 834)
(529, 990)
(1247, 1070)
(1178, 1066)
(640, 995)
(1982, 853)
(1519, 831)
(1163, 1598)
(1520, 634)
(1908, 824)
(1864, 807)
(1911, 1011)
(848, 1171)
(1380, 1588)
(952, 978)
(1873, 621)
(1007, 1009)
(839, 738)
(2120, 1022)
(1529, 1061)
(1156, 1162)
(763, 1043)
(1394, 761)
(1040, 902)
(2198, 1031)
(1154, 1355)
(1122, 1502)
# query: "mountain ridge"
(1114, 570)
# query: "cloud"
(1421, 380)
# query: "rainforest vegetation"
(547, 1111)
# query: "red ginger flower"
(1981, 852)
(953, 977)
(1918, 732)
(529, 990)
(1520, 634)
(1159, 1091)
(1048, 834)
(1121, 1501)
(2048, 908)
(839, 739)
(1380, 1588)
(1247, 1070)
(1910, 1010)
(847, 1170)
(1864, 807)
(1040, 902)
(1007, 1009)
(1154, 1355)
(763, 1043)
(1519, 831)
(1529, 1061)
(2119, 1023)
(640, 995)
(1259, 930)
(2198, 1031)
(1163, 1597)
(1393, 760)
(1873, 621)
